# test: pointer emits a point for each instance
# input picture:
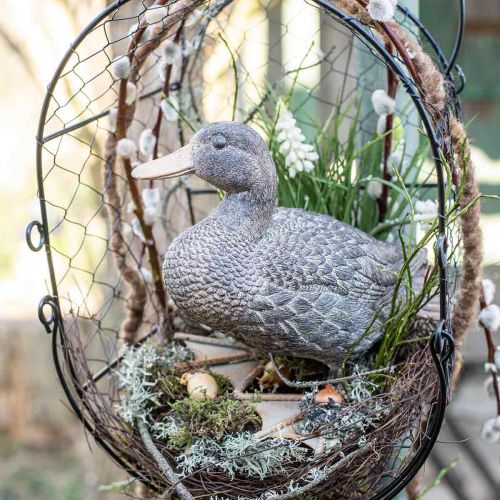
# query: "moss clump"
(180, 438)
(155, 394)
(223, 383)
(209, 418)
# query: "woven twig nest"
(196, 412)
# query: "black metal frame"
(441, 343)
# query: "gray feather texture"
(282, 280)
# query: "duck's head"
(231, 156)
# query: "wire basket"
(235, 58)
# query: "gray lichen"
(242, 454)
(136, 377)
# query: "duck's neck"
(249, 212)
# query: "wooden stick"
(235, 358)
(162, 462)
(278, 426)
(200, 339)
(243, 396)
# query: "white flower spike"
(147, 142)
(489, 317)
(489, 290)
(382, 103)
(299, 156)
(382, 10)
(120, 67)
(125, 148)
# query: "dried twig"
(130, 274)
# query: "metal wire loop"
(50, 322)
(29, 236)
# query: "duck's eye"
(219, 142)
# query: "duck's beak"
(175, 164)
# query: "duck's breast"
(209, 275)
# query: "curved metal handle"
(459, 37)
(29, 236)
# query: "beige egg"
(201, 385)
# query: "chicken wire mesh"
(234, 58)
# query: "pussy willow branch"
(492, 347)
(166, 93)
(432, 87)
(153, 255)
(118, 247)
(137, 55)
(392, 84)
(399, 46)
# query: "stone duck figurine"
(282, 280)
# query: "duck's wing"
(322, 285)
(305, 250)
